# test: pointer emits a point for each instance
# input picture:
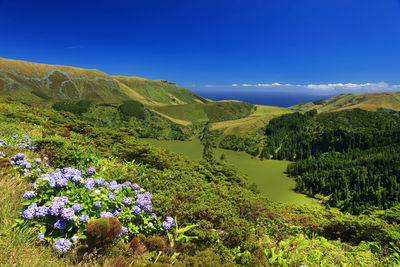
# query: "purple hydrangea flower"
(40, 236)
(41, 211)
(106, 214)
(136, 210)
(116, 212)
(12, 163)
(62, 245)
(29, 194)
(88, 183)
(153, 216)
(148, 195)
(97, 204)
(126, 201)
(38, 161)
(33, 185)
(33, 206)
(123, 232)
(77, 207)
(84, 218)
(38, 170)
(28, 214)
(54, 208)
(90, 171)
(111, 196)
(61, 182)
(147, 208)
(62, 200)
(60, 224)
(135, 186)
(45, 159)
(165, 225)
(170, 220)
(99, 181)
(67, 214)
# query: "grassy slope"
(367, 101)
(42, 83)
(259, 118)
(199, 192)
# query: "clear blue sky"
(213, 44)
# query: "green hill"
(43, 83)
(367, 101)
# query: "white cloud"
(365, 87)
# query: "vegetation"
(235, 225)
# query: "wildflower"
(170, 220)
(84, 218)
(62, 245)
(135, 186)
(62, 200)
(97, 204)
(99, 181)
(61, 182)
(28, 214)
(29, 194)
(90, 171)
(116, 212)
(126, 201)
(88, 183)
(147, 208)
(54, 208)
(67, 214)
(111, 196)
(41, 211)
(123, 232)
(76, 207)
(106, 214)
(40, 236)
(136, 210)
(60, 224)
(165, 225)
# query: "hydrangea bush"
(18, 141)
(63, 201)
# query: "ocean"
(284, 99)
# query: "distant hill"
(43, 83)
(367, 101)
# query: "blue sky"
(299, 45)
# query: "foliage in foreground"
(236, 226)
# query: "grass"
(367, 101)
(259, 118)
(208, 112)
(54, 82)
(16, 248)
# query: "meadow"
(268, 175)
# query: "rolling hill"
(366, 101)
(43, 83)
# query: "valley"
(268, 175)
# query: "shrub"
(100, 233)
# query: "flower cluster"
(64, 201)
(18, 141)
(29, 168)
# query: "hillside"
(43, 83)
(367, 101)
(205, 212)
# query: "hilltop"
(43, 83)
(366, 101)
